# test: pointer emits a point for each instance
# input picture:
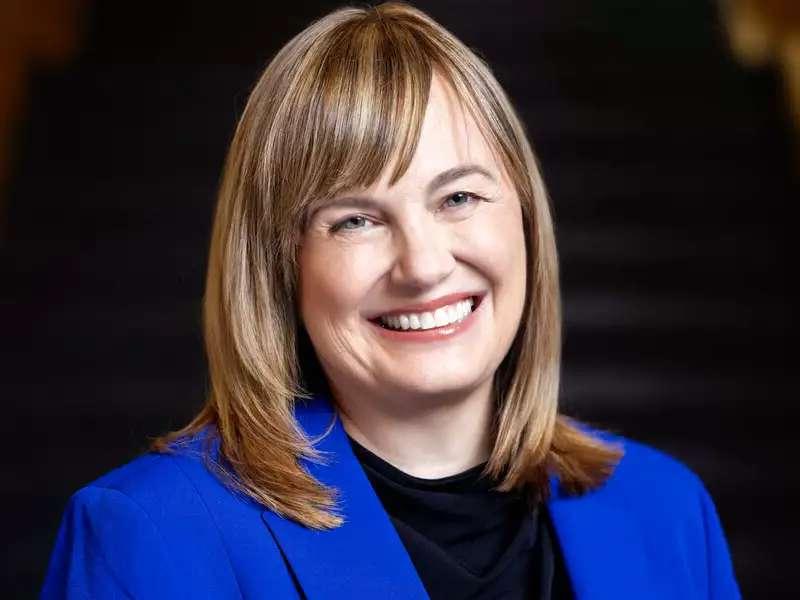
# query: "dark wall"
(669, 171)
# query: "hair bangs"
(365, 110)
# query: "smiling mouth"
(444, 316)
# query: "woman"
(382, 322)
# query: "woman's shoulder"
(651, 514)
(186, 464)
(167, 490)
(654, 486)
(641, 462)
(157, 524)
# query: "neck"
(428, 439)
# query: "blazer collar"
(365, 558)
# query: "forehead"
(449, 137)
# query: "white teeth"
(445, 315)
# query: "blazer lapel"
(364, 557)
(604, 552)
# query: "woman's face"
(387, 274)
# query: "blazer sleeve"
(721, 578)
(107, 547)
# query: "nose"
(424, 257)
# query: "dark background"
(671, 171)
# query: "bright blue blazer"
(163, 526)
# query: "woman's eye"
(460, 199)
(350, 223)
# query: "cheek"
(333, 283)
(497, 247)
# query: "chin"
(433, 383)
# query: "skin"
(425, 407)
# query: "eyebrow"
(440, 180)
(458, 172)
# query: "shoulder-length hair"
(332, 109)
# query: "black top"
(466, 540)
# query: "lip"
(429, 306)
(436, 333)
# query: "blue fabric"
(163, 526)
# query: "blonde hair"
(336, 104)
